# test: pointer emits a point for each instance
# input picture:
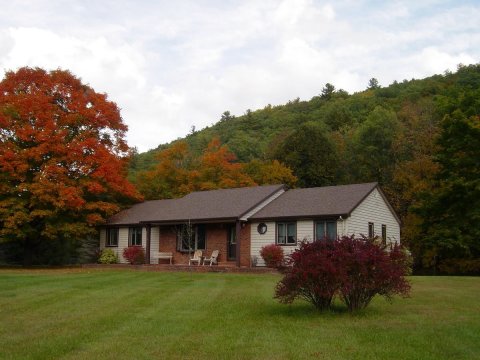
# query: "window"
(135, 236)
(371, 230)
(112, 237)
(287, 233)
(191, 238)
(384, 234)
(325, 230)
(232, 243)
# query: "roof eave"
(298, 217)
(186, 221)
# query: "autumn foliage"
(62, 157)
(178, 172)
(354, 269)
(273, 255)
(135, 255)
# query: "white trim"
(260, 206)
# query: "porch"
(220, 268)
(231, 239)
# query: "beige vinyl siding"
(154, 242)
(116, 249)
(373, 209)
(304, 232)
(103, 237)
(122, 243)
(341, 228)
(259, 240)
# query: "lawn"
(122, 314)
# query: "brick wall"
(216, 240)
(217, 237)
(245, 245)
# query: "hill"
(417, 138)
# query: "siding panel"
(122, 243)
(259, 240)
(103, 237)
(373, 209)
(304, 231)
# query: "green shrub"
(108, 257)
(460, 266)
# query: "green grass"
(95, 314)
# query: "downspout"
(343, 224)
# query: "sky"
(170, 65)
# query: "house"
(239, 222)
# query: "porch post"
(147, 245)
(237, 234)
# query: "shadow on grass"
(302, 309)
(299, 309)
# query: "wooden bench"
(163, 255)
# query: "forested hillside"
(420, 139)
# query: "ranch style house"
(239, 222)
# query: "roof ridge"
(373, 183)
(235, 188)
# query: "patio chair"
(213, 259)
(197, 257)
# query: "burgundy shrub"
(355, 269)
(311, 274)
(135, 255)
(272, 255)
(370, 269)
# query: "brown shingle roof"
(224, 204)
(319, 201)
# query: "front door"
(232, 243)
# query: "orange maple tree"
(179, 172)
(63, 157)
(218, 169)
(171, 177)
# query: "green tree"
(373, 84)
(451, 211)
(310, 153)
(327, 91)
(226, 116)
(372, 146)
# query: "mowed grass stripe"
(142, 315)
(112, 309)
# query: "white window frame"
(286, 240)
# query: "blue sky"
(173, 64)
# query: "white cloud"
(172, 65)
(432, 59)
